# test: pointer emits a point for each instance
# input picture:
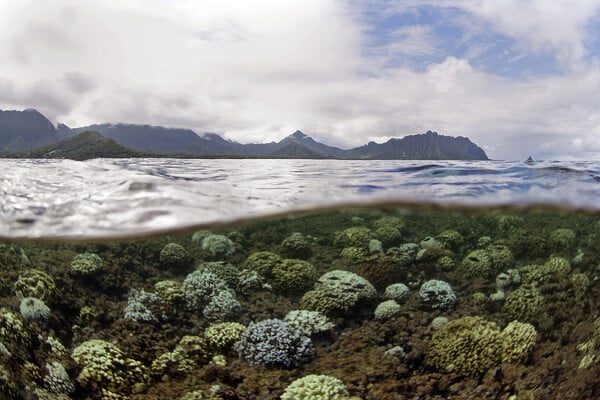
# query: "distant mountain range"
(23, 131)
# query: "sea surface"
(127, 197)
(162, 279)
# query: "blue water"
(123, 197)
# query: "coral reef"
(36, 283)
(396, 291)
(174, 256)
(34, 309)
(292, 275)
(466, 346)
(140, 304)
(356, 236)
(86, 264)
(139, 330)
(489, 261)
(223, 334)
(103, 365)
(387, 309)
(518, 340)
(217, 246)
(262, 262)
(206, 292)
(316, 387)
(57, 379)
(523, 304)
(190, 353)
(308, 322)
(297, 245)
(437, 294)
(273, 342)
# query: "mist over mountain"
(26, 130)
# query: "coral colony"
(341, 305)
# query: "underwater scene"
(390, 302)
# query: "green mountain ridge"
(83, 146)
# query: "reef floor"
(551, 257)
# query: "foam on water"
(129, 197)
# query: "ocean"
(299, 279)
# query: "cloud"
(257, 71)
(557, 27)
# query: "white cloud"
(556, 27)
(257, 71)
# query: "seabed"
(391, 303)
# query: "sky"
(517, 77)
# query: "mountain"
(296, 150)
(20, 130)
(23, 130)
(83, 146)
(160, 140)
(302, 141)
(427, 146)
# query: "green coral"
(562, 239)
(36, 283)
(353, 254)
(12, 329)
(190, 353)
(389, 220)
(338, 291)
(523, 304)
(488, 262)
(580, 283)
(169, 292)
(223, 270)
(326, 301)
(12, 257)
(451, 239)
(387, 234)
(446, 263)
(297, 245)
(477, 263)
(591, 348)
(518, 340)
(199, 236)
(527, 244)
(262, 262)
(174, 256)
(553, 270)
(218, 246)
(293, 276)
(467, 346)
(223, 334)
(316, 387)
(357, 236)
(86, 264)
(104, 365)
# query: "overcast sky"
(518, 77)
